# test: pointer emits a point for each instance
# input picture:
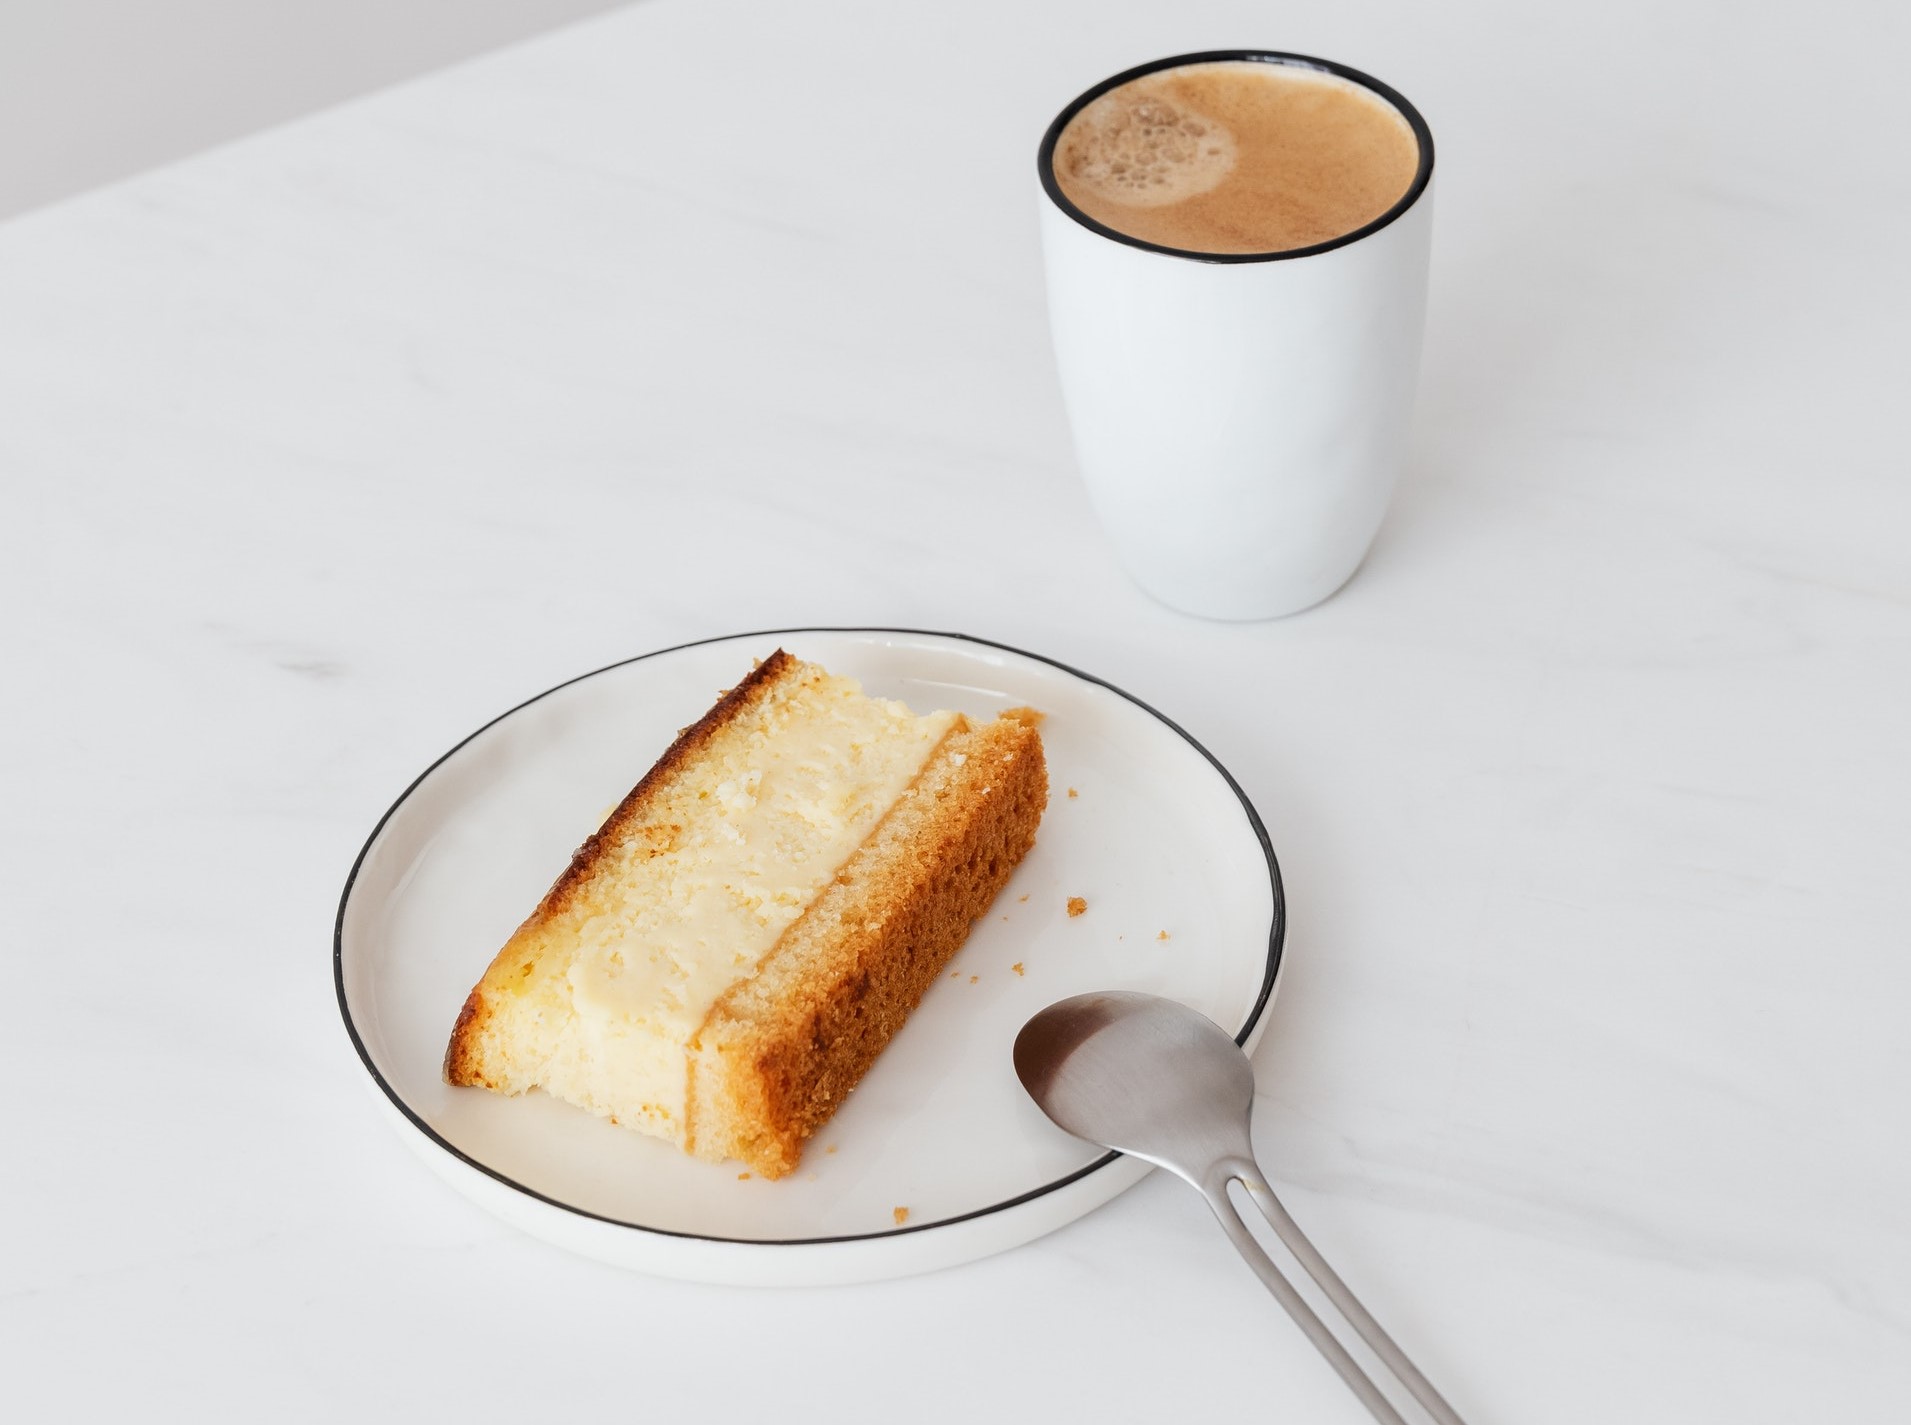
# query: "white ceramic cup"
(1240, 420)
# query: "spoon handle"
(1214, 1188)
(1304, 1317)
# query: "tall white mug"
(1240, 420)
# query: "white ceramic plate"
(1157, 839)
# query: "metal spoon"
(1154, 1079)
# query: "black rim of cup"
(1045, 158)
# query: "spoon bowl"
(1144, 1075)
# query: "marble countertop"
(1589, 1067)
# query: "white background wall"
(93, 90)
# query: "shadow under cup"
(1240, 419)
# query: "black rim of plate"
(1422, 173)
(1276, 933)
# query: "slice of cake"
(729, 953)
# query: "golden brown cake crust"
(780, 1052)
(464, 1062)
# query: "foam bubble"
(1143, 151)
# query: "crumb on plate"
(1076, 905)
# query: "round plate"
(938, 1156)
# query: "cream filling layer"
(725, 868)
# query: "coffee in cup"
(1236, 157)
(1236, 245)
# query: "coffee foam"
(1146, 152)
(1236, 156)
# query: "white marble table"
(1589, 1068)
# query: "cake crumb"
(1017, 967)
(743, 1177)
(901, 1214)
(1076, 905)
(1021, 898)
(974, 978)
(1164, 936)
(830, 1149)
(1071, 794)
